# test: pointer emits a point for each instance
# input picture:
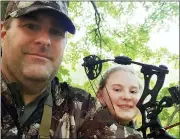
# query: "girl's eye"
(116, 89)
(133, 92)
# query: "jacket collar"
(11, 92)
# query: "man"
(33, 40)
(34, 104)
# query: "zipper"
(29, 121)
(22, 110)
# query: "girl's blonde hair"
(125, 68)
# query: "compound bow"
(149, 110)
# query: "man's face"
(32, 47)
(123, 90)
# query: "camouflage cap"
(19, 8)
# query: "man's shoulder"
(78, 93)
(66, 90)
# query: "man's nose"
(44, 39)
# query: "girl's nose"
(126, 95)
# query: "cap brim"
(69, 26)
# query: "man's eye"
(57, 32)
(33, 26)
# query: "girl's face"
(123, 90)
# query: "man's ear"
(3, 30)
(100, 97)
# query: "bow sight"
(149, 110)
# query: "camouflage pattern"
(101, 124)
(75, 115)
(19, 8)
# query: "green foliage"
(170, 115)
(63, 74)
(116, 8)
(3, 7)
(162, 11)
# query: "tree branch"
(98, 37)
(172, 115)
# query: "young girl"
(119, 90)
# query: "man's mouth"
(39, 56)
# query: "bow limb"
(151, 109)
